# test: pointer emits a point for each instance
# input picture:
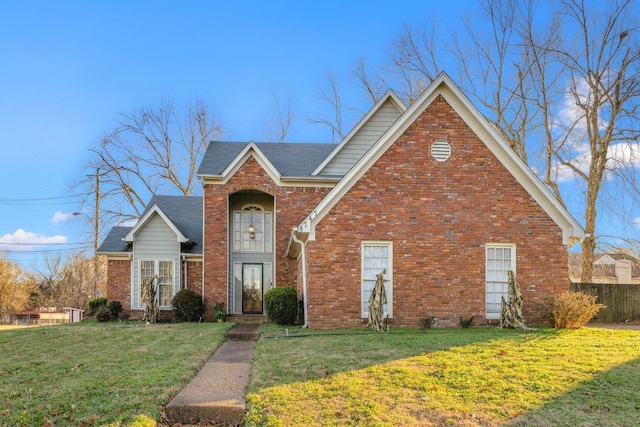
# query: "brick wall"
(119, 283)
(292, 204)
(194, 276)
(439, 217)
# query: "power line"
(42, 244)
(9, 199)
(43, 201)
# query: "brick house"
(430, 193)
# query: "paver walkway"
(217, 393)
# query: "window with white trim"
(376, 256)
(259, 237)
(500, 258)
(165, 272)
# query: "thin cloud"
(59, 217)
(128, 223)
(22, 240)
(619, 156)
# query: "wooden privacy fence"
(622, 301)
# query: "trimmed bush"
(466, 323)
(187, 306)
(115, 307)
(281, 305)
(571, 310)
(103, 314)
(95, 303)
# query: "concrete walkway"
(216, 396)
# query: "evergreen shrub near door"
(187, 306)
(281, 305)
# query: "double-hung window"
(164, 270)
(500, 258)
(376, 257)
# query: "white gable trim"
(142, 222)
(390, 96)
(252, 150)
(443, 85)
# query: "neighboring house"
(431, 194)
(611, 268)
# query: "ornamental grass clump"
(572, 310)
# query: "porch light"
(252, 230)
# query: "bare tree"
(602, 124)
(278, 132)
(152, 149)
(331, 94)
(66, 282)
(559, 81)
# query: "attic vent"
(441, 150)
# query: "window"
(500, 259)
(376, 256)
(164, 270)
(260, 239)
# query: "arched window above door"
(252, 229)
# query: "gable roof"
(279, 159)
(114, 241)
(183, 214)
(444, 86)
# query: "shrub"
(95, 303)
(571, 310)
(281, 305)
(466, 323)
(103, 314)
(427, 322)
(187, 306)
(115, 307)
(218, 312)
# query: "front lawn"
(98, 373)
(468, 377)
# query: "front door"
(252, 288)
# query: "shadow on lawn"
(288, 355)
(611, 398)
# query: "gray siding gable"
(184, 212)
(366, 134)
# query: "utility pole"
(96, 234)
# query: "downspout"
(304, 277)
(184, 273)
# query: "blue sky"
(68, 67)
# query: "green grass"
(468, 377)
(98, 373)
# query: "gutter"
(303, 251)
